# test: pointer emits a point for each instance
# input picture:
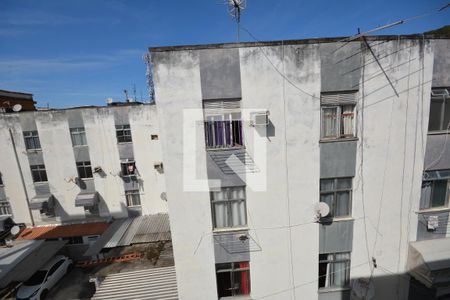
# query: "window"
(439, 110)
(38, 173)
(228, 206)
(55, 267)
(73, 240)
(223, 125)
(84, 169)
(154, 136)
(5, 208)
(338, 114)
(123, 133)
(334, 270)
(436, 193)
(133, 198)
(337, 193)
(233, 279)
(32, 140)
(1, 178)
(128, 168)
(78, 136)
(338, 121)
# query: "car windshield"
(37, 278)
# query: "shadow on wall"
(266, 131)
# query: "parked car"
(38, 285)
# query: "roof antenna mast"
(234, 9)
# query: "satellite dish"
(17, 107)
(322, 209)
(15, 230)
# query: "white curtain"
(329, 121)
(347, 120)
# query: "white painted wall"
(9, 167)
(294, 171)
(58, 155)
(393, 152)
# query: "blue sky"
(70, 53)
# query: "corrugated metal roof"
(153, 228)
(142, 229)
(61, 231)
(149, 284)
(115, 239)
(95, 248)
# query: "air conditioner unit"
(260, 118)
(158, 166)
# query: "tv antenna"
(235, 8)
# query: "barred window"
(133, 198)
(84, 169)
(78, 136)
(233, 279)
(38, 173)
(31, 140)
(5, 208)
(123, 133)
(439, 110)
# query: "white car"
(38, 285)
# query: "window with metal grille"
(5, 208)
(233, 279)
(133, 198)
(38, 173)
(78, 136)
(123, 133)
(334, 270)
(439, 110)
(337, 193)
(223, 124)
(84, 169)
(229, 207)
(32, 140)
(128, 168)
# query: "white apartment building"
(255, 135)
(81, 164)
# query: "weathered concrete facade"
(384, 159)
(99, 146)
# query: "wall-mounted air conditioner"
(260, 118)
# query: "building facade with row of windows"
(257, 135)
(81, 164)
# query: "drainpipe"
(21, 175)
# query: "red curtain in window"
(245, 284)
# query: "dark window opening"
(84, 169)
(128, 168)
(31, 140)
(123, 133)
(38, 173)
(233, 279)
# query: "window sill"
(239, 297)
(79, 146)
(34, 150)
(230, 230)
(433, 210)
(340, 219)
(334, 140)
(87, 179)
(438, 132)
(124, 143)
(333, 289)
(40, 182)
(225, 148)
